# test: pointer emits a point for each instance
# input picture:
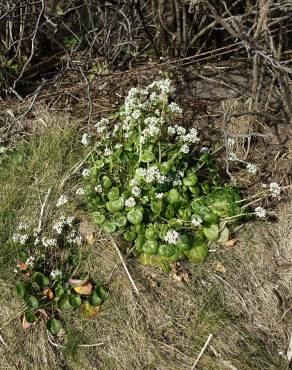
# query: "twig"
(3, 341)
(202, 351)
(43, 208)
(124, 265)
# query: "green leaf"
(30, 317)
(173, 196)
(150, 246)
(135, 216)
(198, 253)
(109, 227)
(211, 232)
(106, 182)
(113, 194)
(156, 206)
(129, 236)
(98, 164)
(41, 280)
(59, 291)
(119, 219)
(184, 243)
(147, 156)
(75, 300)
(94, 299)
(102, 292)
(64, 304)
(20, 289)
(166, 250)
(224, 235)
(98, 218)
(32, 302)
(54, 326)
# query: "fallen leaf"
(42, 313)
(49, 293)
(77, 282)
(88, 311)
(230, 243)
(22, 266)
(90, 238)
(84, 289)
(25, 324)
(219, 267)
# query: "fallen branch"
(124, 265)
(202, 351)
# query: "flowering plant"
(148, 179)
(46, 270)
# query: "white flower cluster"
(20, 238)
(80, 191)
(260, 212)
(151, 174)
(185, 149)
(275, 189)
(172, 237)
(251, 168)
(164, 86)
(63, 221)
(74, 238)
(86, 172)
(49, 242)
(22, 226)
(136, 191)
(130, 202)
(232, 157)
(107, 152)
(101, 125)
(62, 200)
(85, 140)
(98, 189)
(196, 220)
(230, 142)
(56, 273)
(30, 261)
(174, 108)
(159, 195)
(152, 129)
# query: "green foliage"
(151, 182)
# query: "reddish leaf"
(88, 311)
(83, 289)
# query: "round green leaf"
(166, 250)
(150, 246)
(64, 304)
(75, 300)
(32, 302)
(20, 289)
(94, 299)
(129, 236)
(173, 196)
(113, 194)
(147, 156)
(30, 317)
(135, 216)
(98, 218)
(109, 227)
(119, 219)
(211, 232)
(54, 326)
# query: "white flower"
(55, 274)
(204, 149)
(136, 191)
(230, 142)
(62, 200)
(58, 227)
(185, 149)
(20, 238)
(232, 157)
(159, 195)
(134, 182)
(260, 212)
(153, 96)
(69, 220)
(172, 237)
(98, 189)
(86, 172)
(171, 130)
(136, 114)
(174, 108)
(30, 261)
(107, 152)
(196, 220)
(22, 226)
(191, 137)
(85, 139)
(251, 168)
(80, 191)
(118, 146)
(130, 202)
(180, 130)
(36, 231)
(177, 183)
(181, 173)
(275, 189)
(47, 242)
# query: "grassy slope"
(166, 326)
